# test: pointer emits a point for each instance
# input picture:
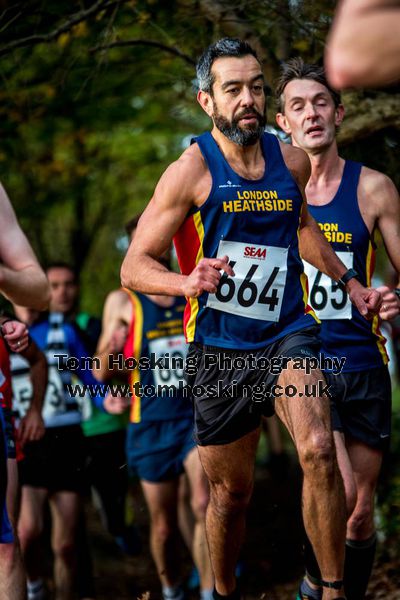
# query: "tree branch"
(153, 44)
(366, 116)
(76, 18)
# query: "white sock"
(206, 594)
(173, 593)
(36, 590)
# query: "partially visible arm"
(22, 280)
(363, 47)
(378, 193)
(117, 315)
(77, 349)
(382, 191)
(31, 427)
(173, 198)
(315, 248)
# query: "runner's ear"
(206, 102)
(283, 123)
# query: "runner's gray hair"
(226, 47)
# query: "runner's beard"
(243, 136)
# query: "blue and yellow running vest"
(156, 333)
(256, 224)
(344, 332)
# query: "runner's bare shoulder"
(187, 180)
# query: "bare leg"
(366, 463)
(361, 538)
(346, 471)
(30, 528)
(231, 486)
(199, 502)
(65, 511)
(161, 500)
(185, 514)
(351, 498)
(12, 573)
(324, 509)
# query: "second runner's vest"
(156, 339)
(256, 224)
(344, 332)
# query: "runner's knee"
(317, 453)
(361, 519)
(228, 499)
(199, 503)
(65, 550)
(29, 531)
(163, 529)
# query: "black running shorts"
(362, 405)
(56, 462)
(230, 389)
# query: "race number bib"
(54, 401)
(22, 395)
(173, 350)
(256, 290)
(327, 298)
(21, 385)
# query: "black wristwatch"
(350, 274)
(397, 292)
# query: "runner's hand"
(31, 427)
(16, 335)
(116, 405)
(118, 339)
(206, 275)
(367, 300)
(390, 307)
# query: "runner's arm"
(77, 350)
(117, 313)
(22, 280)
(380, 191)
(165, 213)
(31, 427)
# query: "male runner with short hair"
(234, 203)
(53, 467)
(349, 202)
(160, 446)
(21, 280)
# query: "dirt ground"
(271, 556)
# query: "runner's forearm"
(145, 274)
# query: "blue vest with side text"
(344, 332)
(256, 224)
(155, 340)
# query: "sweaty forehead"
(229, 68)
(304, 88)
